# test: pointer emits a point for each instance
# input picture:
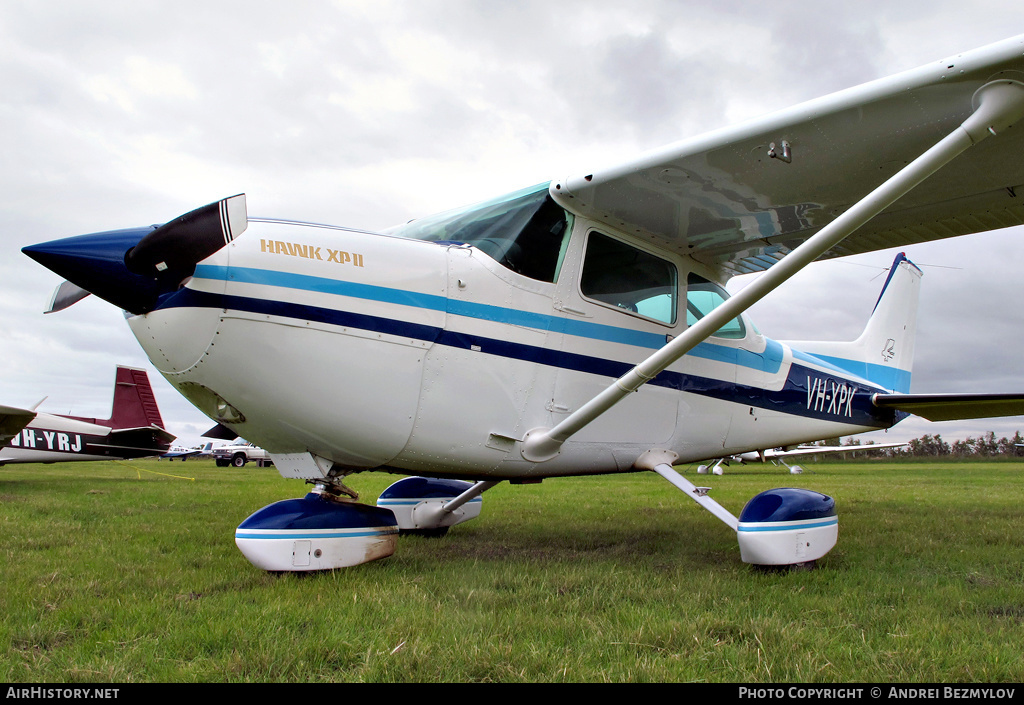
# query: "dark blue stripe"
(769, 361)
(791, 399)
(189, 298)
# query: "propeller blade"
(177, 246)
(65, 295)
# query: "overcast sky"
(119, 114)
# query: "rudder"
(134, 402)
(884, 352)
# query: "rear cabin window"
(622, 276)
(702, 297)
(525, 231)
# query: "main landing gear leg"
(780, 527)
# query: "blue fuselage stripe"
(891, 378)
(796, 397)
(769, 361)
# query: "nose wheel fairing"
(316, 533)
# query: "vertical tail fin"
(884, 352)
(134, 402)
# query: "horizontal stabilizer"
(950, 407)
(221, 433)
(142, 437)
(12, 420)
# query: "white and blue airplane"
(574, 327)
(197, 452)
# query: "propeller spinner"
(133, 268)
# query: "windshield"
(525, 231)
(702, 297)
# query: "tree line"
(928, 445)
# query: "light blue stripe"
(314, 535)
(786, 527)
(556, 324)
(770, 361)
(891, 378)
(888, 378)
(325, 285)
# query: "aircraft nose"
(132, 268)
(96, 263)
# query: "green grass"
(113, 573)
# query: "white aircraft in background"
(778, 456)
(578, 326)
(197, 452)
(134, 429)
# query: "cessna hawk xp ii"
(576, 327)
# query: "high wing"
(900, 160)
(771, 454)
(779, 456)
(740, 198)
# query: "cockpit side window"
(702, 297)
(622, 276)
(525, 231)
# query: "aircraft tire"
(436, 533)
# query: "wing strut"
(998, 105)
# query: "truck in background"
(240, 453)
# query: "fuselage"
(58, 439)
(434, 349)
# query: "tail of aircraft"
(134, 404)
(884, 352)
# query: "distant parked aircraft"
(778, 456)
(176, 452)
(134, 429)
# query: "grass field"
(122, 572)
